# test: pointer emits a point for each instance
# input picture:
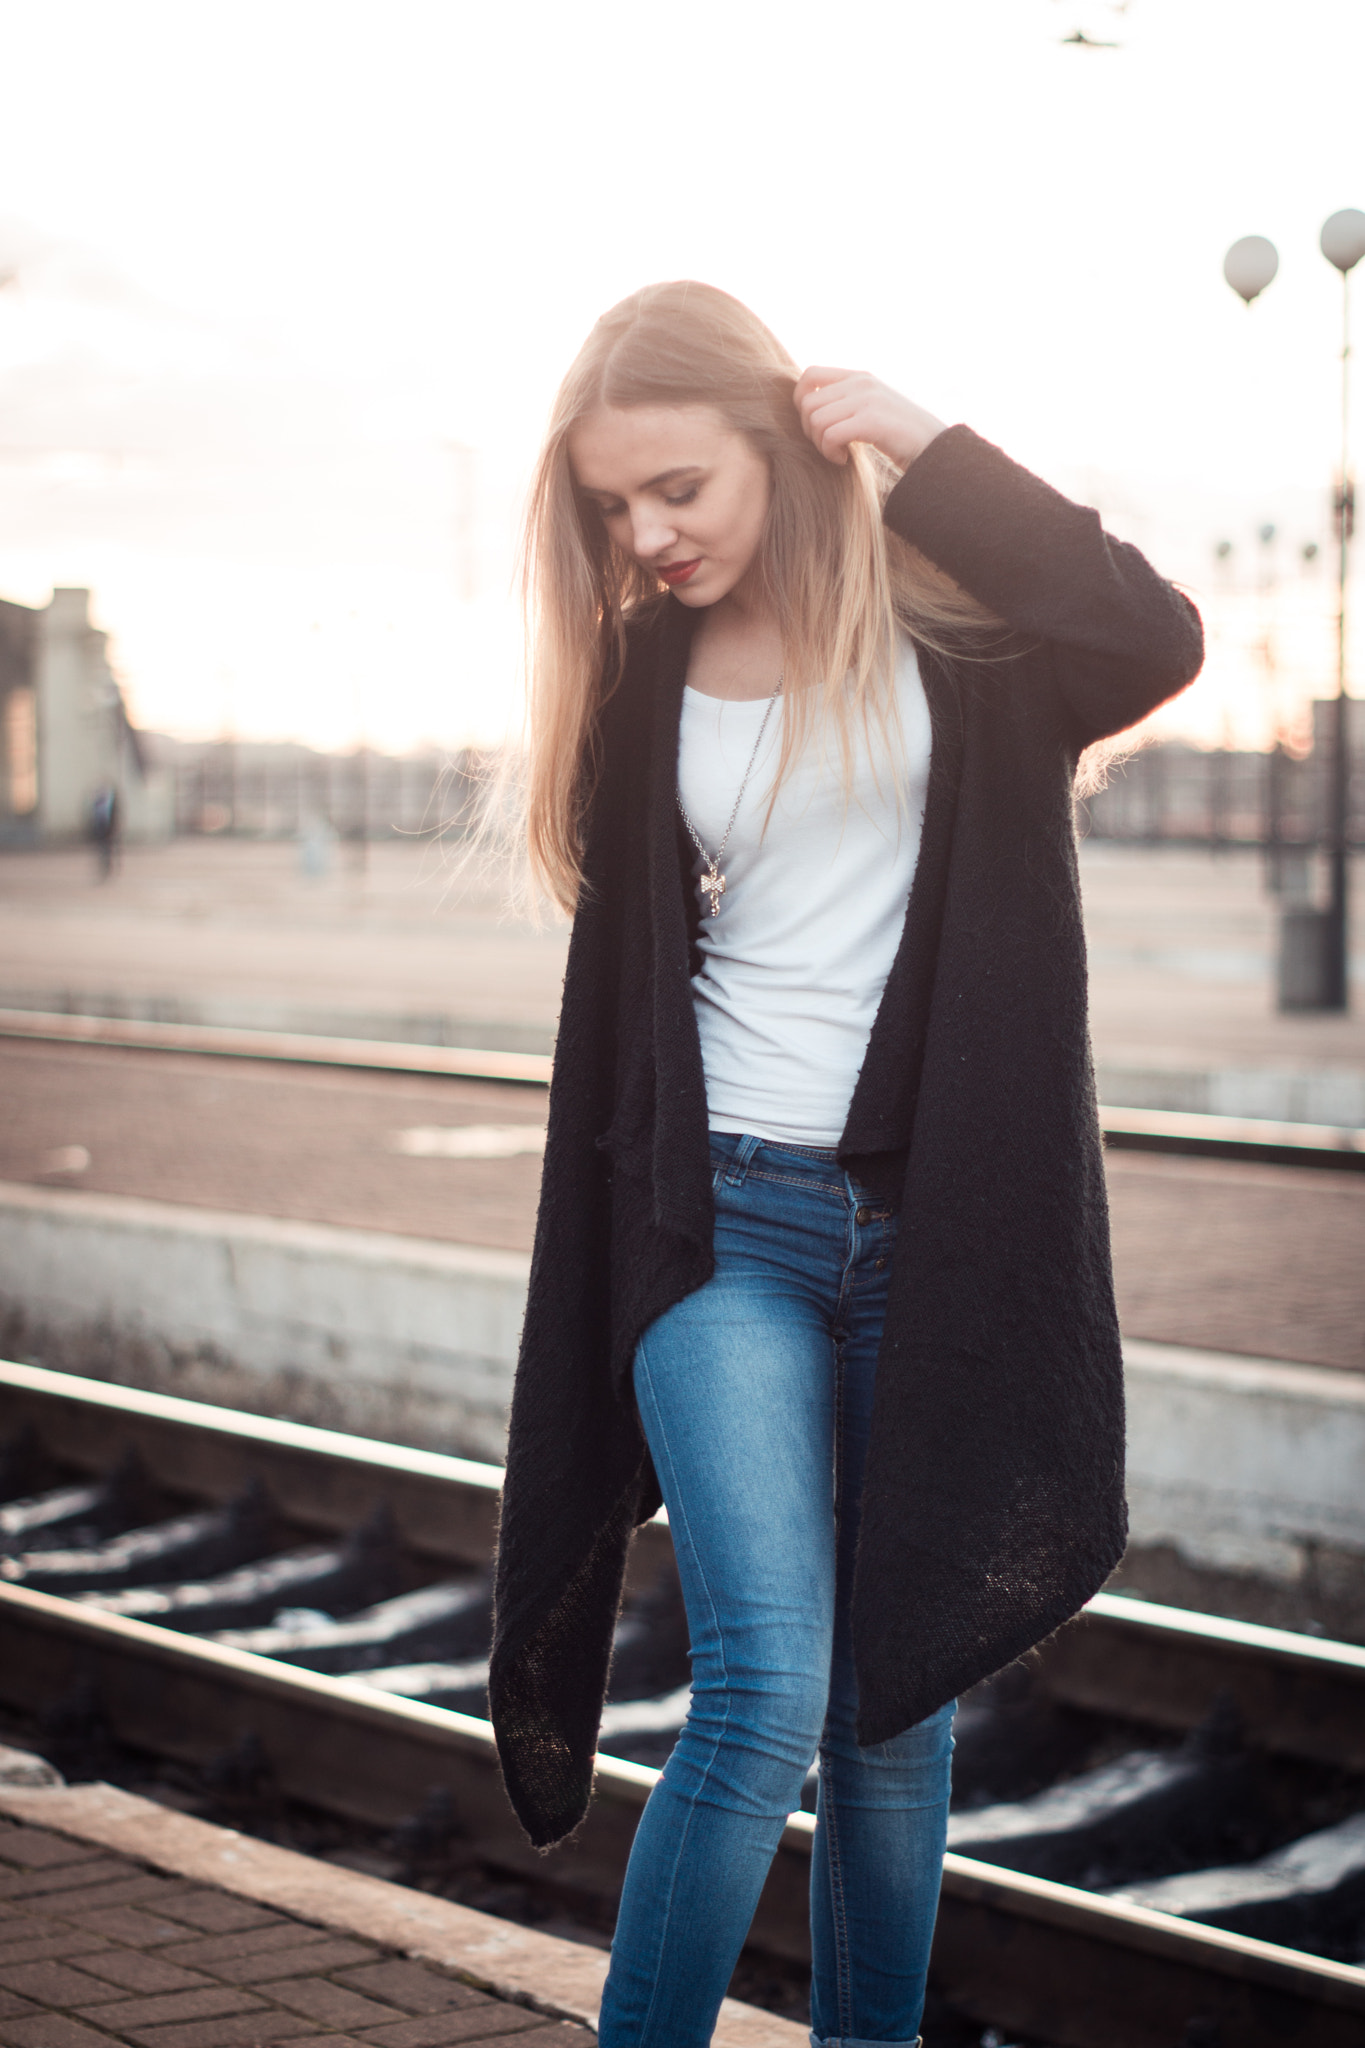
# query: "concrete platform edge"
(401, 1338)
(540, 1971)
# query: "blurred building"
(65, 735)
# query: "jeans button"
(863, 1216)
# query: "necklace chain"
(713, 881)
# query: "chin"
(701, 592)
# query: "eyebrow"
(665, 476)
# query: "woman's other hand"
(840, 406)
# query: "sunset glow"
(294, 284)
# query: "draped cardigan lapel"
(680, 1153)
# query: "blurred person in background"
(822, 1253)
(103, 827)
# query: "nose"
(652, 535)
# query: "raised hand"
(841, 406)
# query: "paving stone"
(127, 1891)
(130, 1925)
(68, 1876)
(267, 1965)
(52, 1948)
(35, 1849)
(332, 2004)
(70, 1948)
(50, 2030)
(133, 1970)
(475, 2023)
(128, 2013)
(22, 1940)
(410, 1986)
(79, 1935)
(205, 1952)
(53, 1983)
(218, 1912)
(240, 2030)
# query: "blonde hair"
(838, 581)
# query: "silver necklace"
(712, 883)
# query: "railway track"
(1160, 1830)
(1334, 1147)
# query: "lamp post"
(1314, 955)
(1343, 243)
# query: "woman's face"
(677, 488)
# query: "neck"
(736, 648)
(745, 609)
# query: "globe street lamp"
(1343, 243)
(1314, 961)
(1250, 265)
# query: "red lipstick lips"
(680, 572)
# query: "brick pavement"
(298, 1940)
(98, 1948)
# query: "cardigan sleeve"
(1123, 639)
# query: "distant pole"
(1343, 244)
(229, 748)
(1272, 830)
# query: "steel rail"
(1012, 1950)
(1299, 1696)
(1337, 1147)
(444, 1508)
(455, 1062)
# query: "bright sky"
(280, 260)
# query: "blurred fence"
(1169, 794)
(1181, 794)
(269, 792)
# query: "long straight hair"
(838, 581)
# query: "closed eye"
(616, 508)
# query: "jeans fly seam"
(847, 1279)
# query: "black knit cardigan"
(994, 1501)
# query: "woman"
(822, 1250)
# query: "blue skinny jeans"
(755, 1394)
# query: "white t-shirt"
(794, 966)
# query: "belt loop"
(739, 1165)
